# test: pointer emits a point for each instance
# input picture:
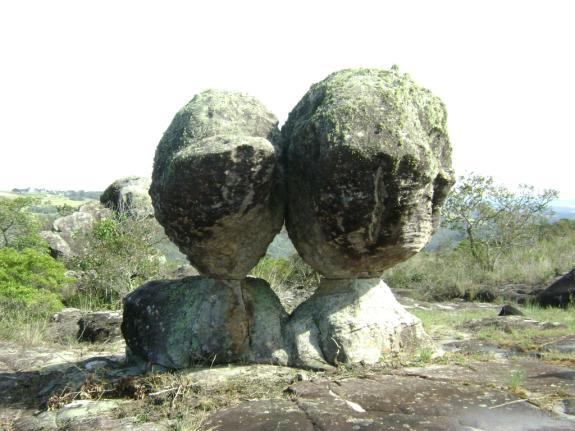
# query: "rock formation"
(216, 189)
(368, 168)
(129, 195)
(366, 161)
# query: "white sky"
(87, 88)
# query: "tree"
(492, 218)
(19, 228)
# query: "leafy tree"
(30, 280)
(19, 228)
(493, 218)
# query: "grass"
(450, 273)
(23, 327)
(447, 323)
(184, 398)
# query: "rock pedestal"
(180, 323)
(351, 321)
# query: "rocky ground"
(486, 373)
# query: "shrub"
(114, 257)
(30, 280)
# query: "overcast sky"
(87, 88)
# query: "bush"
(30, 280)
(115, 257)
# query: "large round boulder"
(368, 165)
(216, 185)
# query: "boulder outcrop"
(367, 163)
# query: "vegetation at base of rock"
(446, 323)
(291, 278)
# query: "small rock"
(100, 326)
(510, 310)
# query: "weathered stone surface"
(277, 415)
(176, 323)
(216, 182)
(129, 195)
(59, 248)
(64, 326)
(562, 345)
(368, 168)
(538, 378)
(351, 321)
(390, 403)
(560, 293)
(79, 222)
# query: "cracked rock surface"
(368, 167)
(216, 184)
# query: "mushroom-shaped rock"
(216, 182)
(368, 168)
(129, 195)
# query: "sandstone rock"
(390, 403)
(59, 248)
(129, 195)
(216, 182)
(351, 321)
(368, 168)
(560, 293)
(176, 323)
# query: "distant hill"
(76, 195)
(563, 209)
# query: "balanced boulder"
(216, 184)
(368, 168)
